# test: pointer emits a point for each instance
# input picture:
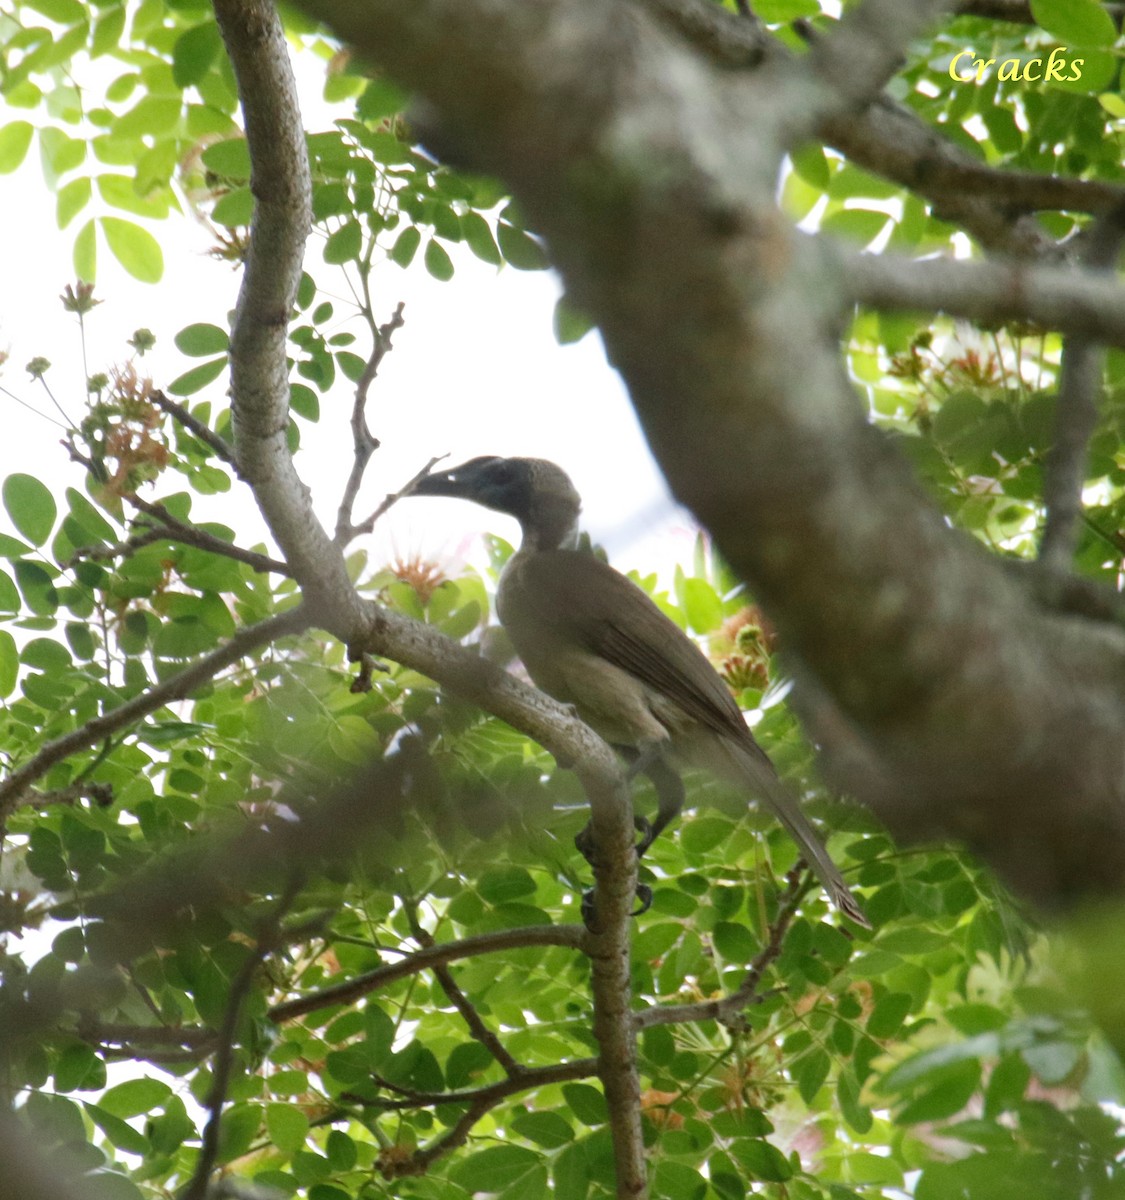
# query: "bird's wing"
(581, 600)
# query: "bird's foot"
(590, 914)
(584, 839)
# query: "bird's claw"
(590, 913)
(584, 838)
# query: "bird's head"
(536, 492)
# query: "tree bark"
(943, 691)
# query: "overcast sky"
(475, 370)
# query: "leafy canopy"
(934, 1055)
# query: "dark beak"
(439, 483)
(463, 482)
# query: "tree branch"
(281, 185)
(191, 535)
(363, 441)
(1072, 300)
(1076, 415)
(176, 687)
(425, 959)
(195, 426)
(968, 693)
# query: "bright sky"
(475, 370)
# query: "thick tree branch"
(1076, 415)
(1068, 299)
(660, 212)
(281, 186)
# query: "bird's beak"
(461, 482)
(439, 483)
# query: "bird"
(592, 639)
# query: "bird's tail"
(754, 768)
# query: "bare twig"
(209, 437)
(461, 1002)
(394, 497)
(1076, 414)
(361, 985)
(192, 535)
(364, 443)
(528, 1079)
(177, 687)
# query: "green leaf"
(888, 1014)
(406, 246)
(121, 1134)
(30, 506)
(344, 244)
(571, 324)
(520, 248)
(59, 153)
(493, 1169)
(15, 137)
(287, 1127)
(945, 1098)
(586, 1102)
(762, 1159)
(1075, 22)
(476, 231)
(235, 208)
(861, 225)
(229, 158)
(194, 52)
(857, 1115)
(812, 1073)
(62, 12)
(547, 1129)
(71, 199)
(701, 605)
(304, 401)
(9, 596)
(380, 99)
(198, 377)
(199, 340)
(85, 253)
(438, 262)
(134, 248)
(134, 1097)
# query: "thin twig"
(364, 443)
(177, 687)
(393, 497)
(222, 448)
(192, 535)
(527, 1079)
(485, 943)
(480, 1102)
(461, 1002)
